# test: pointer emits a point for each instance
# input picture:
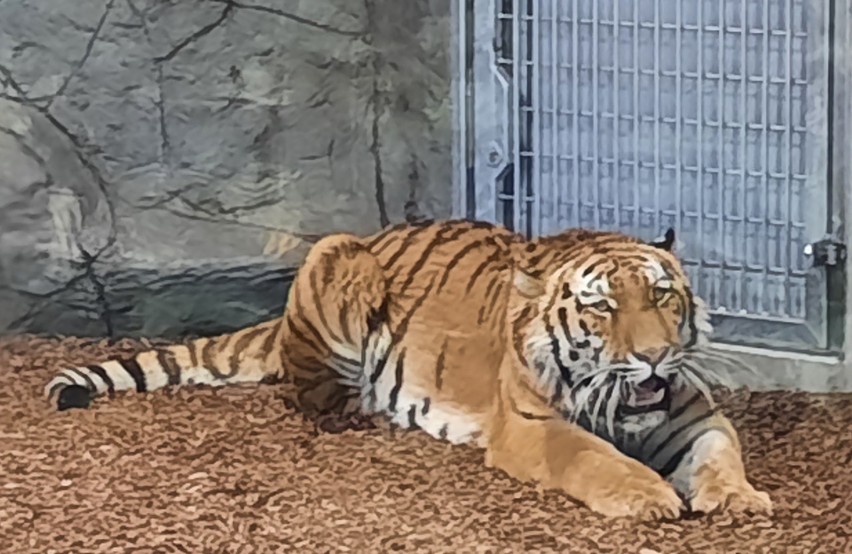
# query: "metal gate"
(709, 116)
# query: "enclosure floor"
(234, 470)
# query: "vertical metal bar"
(595, 120)
(575, 78)
(555, 178)
(678, 122)
(721, 154)
(637, 120)
(699, 133)
(517, 103)
(788, 158)
(837, 118)
(490, 109)
(828, 19)
(536, 74)
(616, 121)
(657, 159)
(743, 151)
(764, 177)
(460, 130)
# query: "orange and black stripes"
(440, 364)
(238, 357)
(169, 364)
(135, 371)
(99, 371)
(520, 322)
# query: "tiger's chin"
(638, 423)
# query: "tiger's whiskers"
(612, 405)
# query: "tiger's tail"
(250, 355)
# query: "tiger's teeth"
(658, 397)
(655, 398)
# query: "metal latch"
(826, 252)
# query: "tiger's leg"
(563, 456)
(711, 474)
(335, 312)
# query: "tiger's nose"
(653, 356)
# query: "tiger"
(576, 361)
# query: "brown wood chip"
(205, 470)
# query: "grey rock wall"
(164, 164)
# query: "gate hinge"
(826, 252)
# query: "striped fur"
(471, 333)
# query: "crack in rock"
(85, 269)
(377, 106)
(88, 52)
(160, 102)
(293, 17)
(206, 30)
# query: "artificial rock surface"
(142, 139)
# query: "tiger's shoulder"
(462, 246)
(410, 243)
(544, 255)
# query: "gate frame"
(773, 369)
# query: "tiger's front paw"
(643, 503)
(635, 491)
(730, 497)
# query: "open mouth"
(650, 395)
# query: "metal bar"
(721, 153)
(743, 149)
(678, 118)
(764, 299)
(595, 116)
(636, 118)
(834, 292)
(616, 104)
(537, 136)
(788, 157)
(457, 60)
(699, 133)
(575, 78)
(657, 160)
(516, 120)
(828, 16)
(489, 114)
(555, 179)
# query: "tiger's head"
(609, 329)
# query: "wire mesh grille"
(644, 114)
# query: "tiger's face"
(612, 330)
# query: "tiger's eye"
(601, 306)
(660, 294)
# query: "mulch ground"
(235, 470)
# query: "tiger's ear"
(666, 242)
(528, 286)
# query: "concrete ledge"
(780, 370)
(168, 301)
